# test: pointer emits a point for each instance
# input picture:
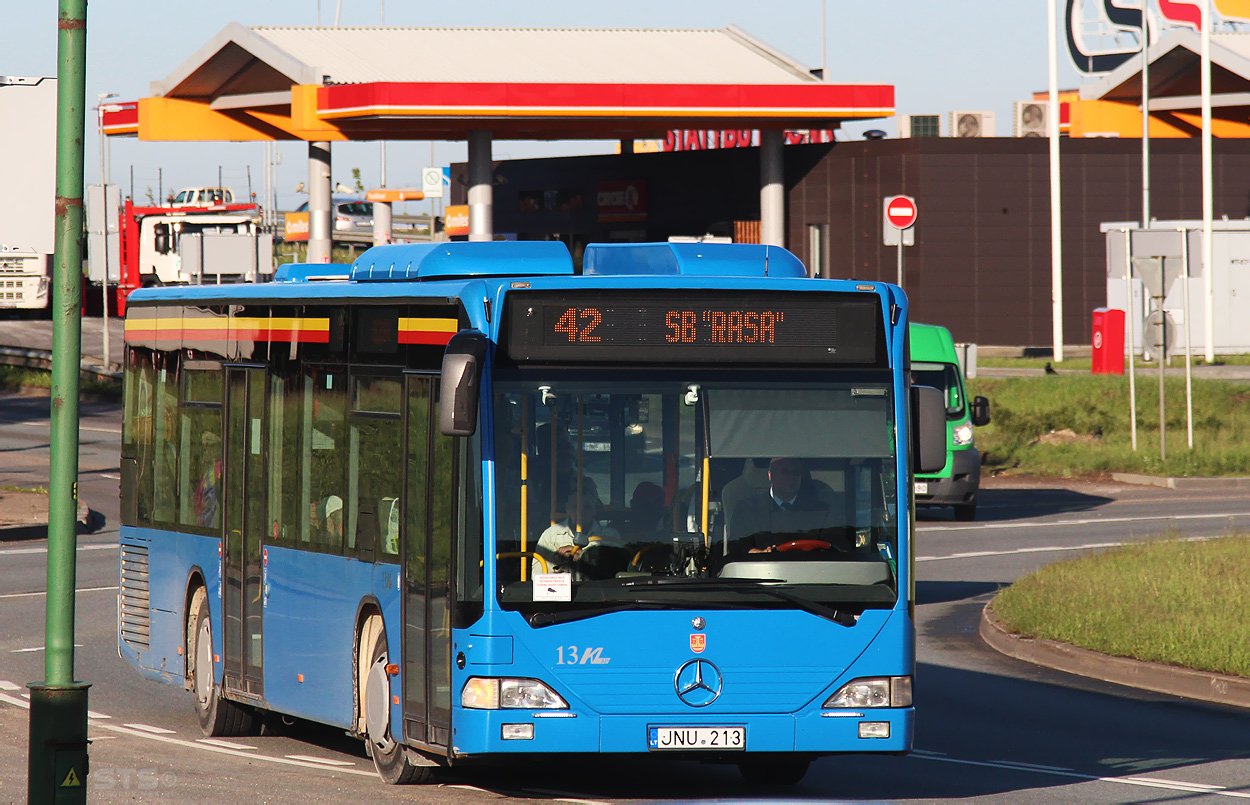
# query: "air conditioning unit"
(972, 124)
(920, 126)
(1030, 118)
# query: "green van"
(935, 363)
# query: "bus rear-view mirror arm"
(928, 417)
(461, 378)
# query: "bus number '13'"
(569, 655)
(579, 324)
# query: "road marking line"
(226, 744)
(94, 714)
(564, 796)
(4, 697)
(1035, 766)
(7, 685)
(19, 551)
(36, 648)
(322, 760)
(221, 750)
(100, 430)
(1088, 521)
(79, 590)
(1192, 788)
(110, 476)
(1089, 546)
(151, 729)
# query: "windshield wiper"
(749, 585)
(625, 605)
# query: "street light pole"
(104, 280)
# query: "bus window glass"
(799, 478)
(200, 472)
(376, 446)
(325, 453)
(165, 437)
(139, 382)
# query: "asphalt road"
(989, 728)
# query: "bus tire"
(219, 717)
(774, 769)
(966, 512)
(393, 761)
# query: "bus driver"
(565, 546)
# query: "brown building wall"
(981, 263)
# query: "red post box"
(1108, 355)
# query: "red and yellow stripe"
(427, 331)
(160, 329)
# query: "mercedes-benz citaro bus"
(467, 502)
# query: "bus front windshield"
(725, 490)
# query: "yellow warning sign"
(71, 780)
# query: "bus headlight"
(489, 693)
(878, 691)
(963, 434)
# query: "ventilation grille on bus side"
(133, 617)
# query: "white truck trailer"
(28, 193)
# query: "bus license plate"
(922, 487)
(696, 738)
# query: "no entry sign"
(900, 211)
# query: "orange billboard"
(456, 220)
(296, 226)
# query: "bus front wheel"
(218, 717)
(394, 762)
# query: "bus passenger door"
(430, 490)
(242, 569)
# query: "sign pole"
(57, 760)
(900, 262)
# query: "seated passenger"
(646, 510)
(592, 551)
(792, 508)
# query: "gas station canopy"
(336, 84)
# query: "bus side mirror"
(928, 417)
(980, 411)
(462, 372)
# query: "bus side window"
(325, 418)
(374, 474)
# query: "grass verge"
(1170, 601)
(24, 377)
(1078, 425)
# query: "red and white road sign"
(900, 211)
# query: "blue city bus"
(468, 501)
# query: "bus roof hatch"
(427, 261)
(706, 259)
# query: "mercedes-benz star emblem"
(698, 683)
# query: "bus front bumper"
(480, 732)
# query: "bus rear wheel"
(394, 761)
(218, 717)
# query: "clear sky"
(940, 56)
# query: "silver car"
(352, 216)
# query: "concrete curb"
(1183, 484)
(1231, 691)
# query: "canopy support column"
(319, 243)
(481, 194)
(772, 189)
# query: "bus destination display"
(703, 327)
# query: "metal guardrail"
(42, 359)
